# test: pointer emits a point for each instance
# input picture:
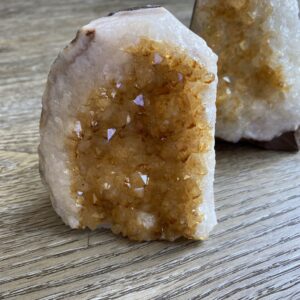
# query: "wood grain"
(254, 252)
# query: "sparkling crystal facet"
(139, 100)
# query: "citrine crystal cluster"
(127, 131)
(137, 147)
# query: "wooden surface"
(254, 252)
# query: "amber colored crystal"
(136, 158)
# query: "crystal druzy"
(257, 42)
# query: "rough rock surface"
(127, 128)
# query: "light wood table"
(254, 252)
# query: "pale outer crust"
(95, 53)
(262, 121)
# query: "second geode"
(258, 44)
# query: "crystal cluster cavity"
(127, 128)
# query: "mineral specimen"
(258, 44)
(127, 128)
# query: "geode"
(127, 128)
(258, 44)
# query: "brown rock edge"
(288, 141)
(134, 8)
